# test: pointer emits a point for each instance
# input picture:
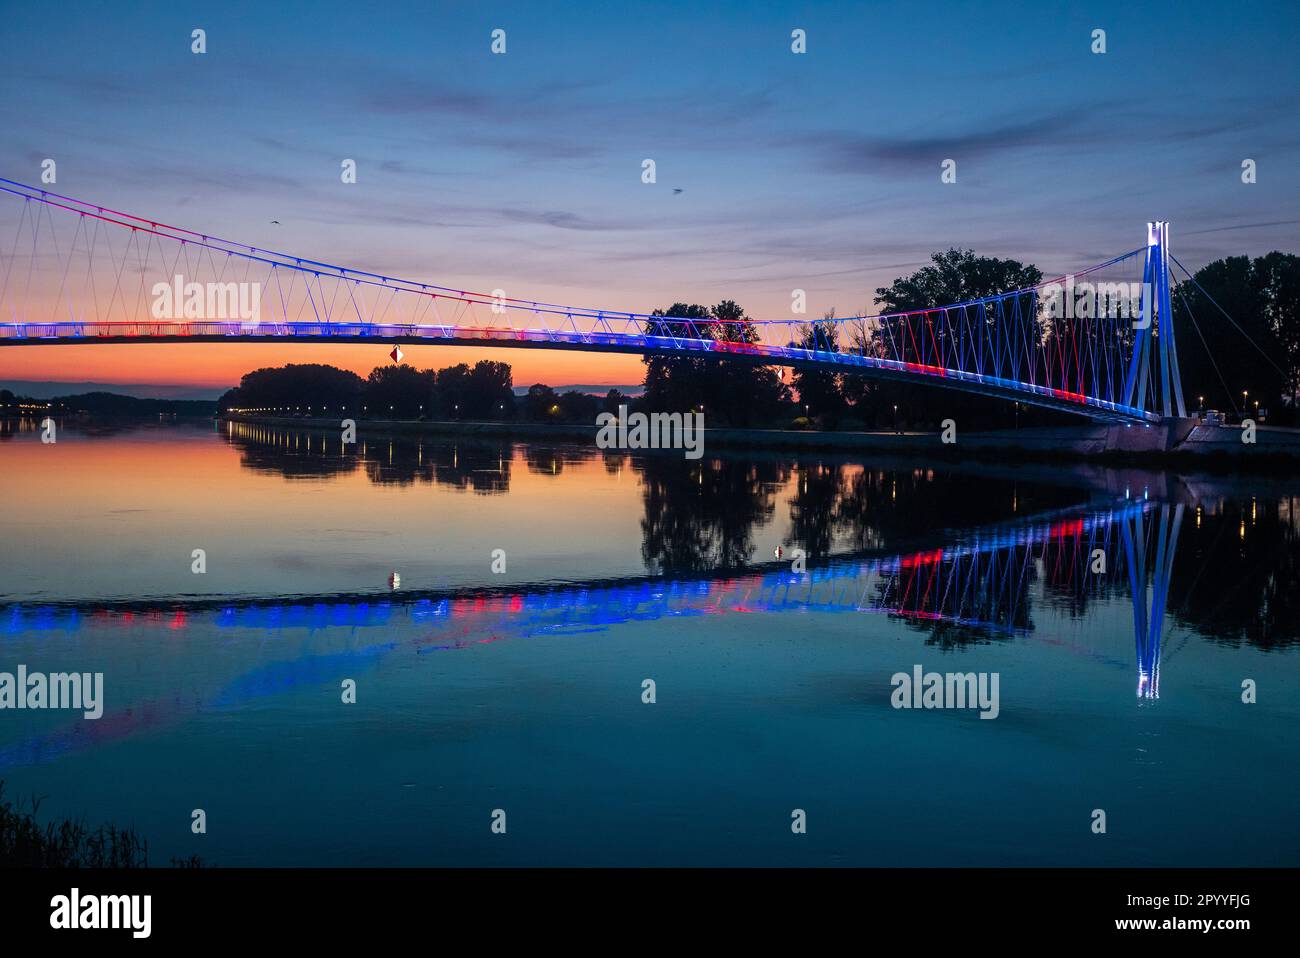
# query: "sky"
(522, 171)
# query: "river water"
(231, 582)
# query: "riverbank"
(1184, 441)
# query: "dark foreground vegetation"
(26, 843)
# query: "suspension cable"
(1196, 326)
(309, 266)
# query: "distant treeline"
(482, 391)
(105, 404)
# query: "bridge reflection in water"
(1149, 610)
(978, 586)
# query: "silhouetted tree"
(820, 390)
(579, 407)
(738, 392)
(956, 276)
(677, 383)
(453, 388)
(401, 391)
(298, 386)
(540, 403)
(613, 399)
(489, 390)
(1263, 298)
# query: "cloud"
(562, 219)
(1084, 128)
(536, 147)
(408, 97)
(1242, 226)
(853, 153)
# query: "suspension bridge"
(74, 272)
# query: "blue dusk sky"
(523, 171)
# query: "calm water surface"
(522, 690)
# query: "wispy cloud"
(844, 152)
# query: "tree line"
(484, 391)
(104, 404)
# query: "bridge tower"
(1155, 334)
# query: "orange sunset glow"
(219, 366)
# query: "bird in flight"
(676, 190)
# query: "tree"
(677, 383)
(820, 389)
(401, 391)
(957, 276)
(453, 387)
(578, 406)
(859, 336)
(541, 403)
(739, 391)
(298, 387)
(489, 390)
(1216, 357)
(1278, 275)
(613, 399)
